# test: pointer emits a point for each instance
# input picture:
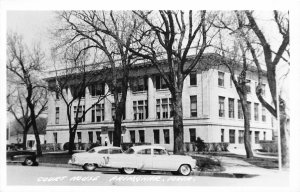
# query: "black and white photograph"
(149, 96)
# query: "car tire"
(121, 171)
(129, 171)
(28, 162)
(185, 170)
(89, 167)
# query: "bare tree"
(247, 30)
(167, 40)
(271, 59)
(24, 64)
(20, 110)
(89, 27)
(70, 83)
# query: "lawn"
(264, 162)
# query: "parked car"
(23, 156)
(150, 158)
(94, 158)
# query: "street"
(23, 175)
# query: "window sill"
(221, 86)
(162, 90)
(193, 85)
(139, 92)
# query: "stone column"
(88, 102)
(128, 106)
(107, 105)
(151, 99)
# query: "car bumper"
(73, 163)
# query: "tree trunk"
(71, 141)
(37, 136)
(34, 127)
(25, 131)
(117, 130)
(178, 122)
(247, 143)
(284, 135)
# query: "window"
(263, 114)
(248, 86)
(231, 108)
(110, 136)
(132, 136)
(160, 152)
(165, 111)
(56, 95)
(241, 136)
(98, 136)
(140, 110)
(240, 110)
(256, 136)
(98, 113)
(139, 84)
(192, 135)
(221, 79)
(55, 137)
(103, 151)
(144, 152)
(91, 137)
(129, 151)
(142, 136)
(249, 110)
(97, 89)
(156, 136)
(264, 135)
(115, 151)
(193, 100)
(221, 107)
(193, 78)
(231, 136)
(79, 137)
(166, 136)
(222, 135)
(79, 112)
(56, 115)
(256, 111)
(160, 82)
(164, 108)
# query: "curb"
(223, 174)
(193, 173)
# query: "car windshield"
(91, 151)
(129, 151)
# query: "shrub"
(208, 164)
(269, 146)
(51, 147)
(200, 144)
(66, 146)
(216, 147)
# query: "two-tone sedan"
(22, 156)
(94, 158)
(150, 158)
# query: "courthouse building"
(211, 110)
